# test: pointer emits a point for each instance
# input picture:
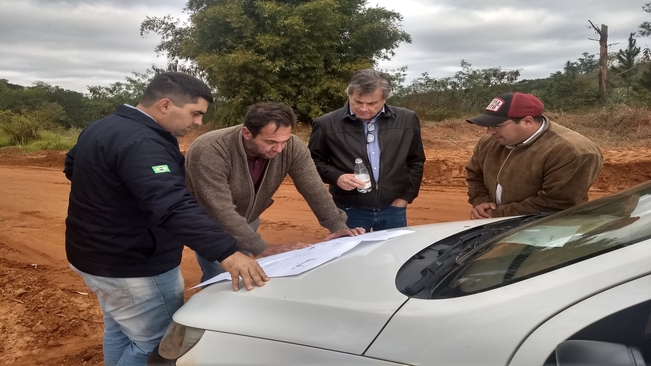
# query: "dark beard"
(252, 150)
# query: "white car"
(572, 288)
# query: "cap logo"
(495, 105)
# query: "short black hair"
(261, 114)
(180, 88)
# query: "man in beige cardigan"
(234, 172)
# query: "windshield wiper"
(430, 265)
(472, 251)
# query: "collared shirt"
(373, 148)
(143, 112)
(532, 137)
(257, 166)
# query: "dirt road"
(48, 317)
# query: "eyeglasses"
(370, 138)
(496, 128)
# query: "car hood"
(341, 305)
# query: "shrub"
(4, 141)
(20, 130)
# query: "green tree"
(18, 98)
(583, 65)
(73, 103)
(467, 91)
(569, 92)
(102, 100)
(475, 88)
(54, 105)
(642, 87)
(645, 27)
(299, 52)
(48, 115)
(626, 68)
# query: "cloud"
(75, 43)
(535, 38)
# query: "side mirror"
(593, 353)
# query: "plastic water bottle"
(361, 173)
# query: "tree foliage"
(587, 64)
(102, 100)
(299, 52)
(467, 91)
(625, 67)
(645, 27)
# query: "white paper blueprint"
(298, 261)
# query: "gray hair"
(367, 81)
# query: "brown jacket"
(218, 176)
(551, 173)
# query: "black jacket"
(338, 138)
(129, 209)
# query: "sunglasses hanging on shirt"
(370, 138)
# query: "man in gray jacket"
(234, 172)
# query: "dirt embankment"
(623, 168)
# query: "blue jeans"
(211, 269)
(137, 312)
(386, 218)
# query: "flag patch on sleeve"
(161, 169)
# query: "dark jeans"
(387, 218)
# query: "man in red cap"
(527, 163)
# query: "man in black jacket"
(388, 141)
(130, 213)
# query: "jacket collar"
(388, 111)
(139, 116)
(545, 127)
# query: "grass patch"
(52, 140)
(4, 140)
(616, 126)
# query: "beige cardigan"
(218, 176)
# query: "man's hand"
(399, 202)
(348, 182)
(345, 232)
(240, 265)
(483, 211)
(282, 248)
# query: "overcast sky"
(76, 43)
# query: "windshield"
(549, 243)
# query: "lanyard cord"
(504, 162)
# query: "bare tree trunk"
(603, 61)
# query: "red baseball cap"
(508, 106)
